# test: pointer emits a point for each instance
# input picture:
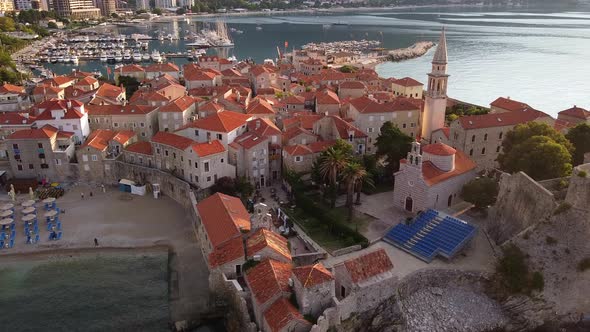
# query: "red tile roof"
(200, 75)
(433, 175)
(11, 89)
(311, 148)
(179, 105)
(211, 107)
(263, 127)
(509, 104)
(224, 122)
(264, 238)
(14, 119)
(140, 147)
(439, 149)
(306, 121)
(281, 313)
(87, 81)
(162, 67)
(367, 105)
(312, 275)
(327, 97)
(296, 100)
(407, 82)
(58, 80)
(44, 132)
(248, 140)
(226, 252)
(109, 91)
(259, 106)
(500, 119)
(208, 148)
(368, 265)
(118, 109)
(223, 217)
(173, 140)
(99, 139)
(55, 104)
(295, 131)
(352, 85)
(46, 89)
(344, 128)
(133, 68)
(268, 278)
(576, 112)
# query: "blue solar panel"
(431, 234)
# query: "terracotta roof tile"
(10, 89)
(248, 140)
(44, 132)
(407, 82)
(140, 147)
(263, 238)
(223, 217)
(109, 91)
(576, 112)
(118, 109)
(14, 119)
(433, 175)
(208, 148)
(327, 97)
(260, 106)
(173, 140)
(87, 81)
(55, 104)
(509, 104)
(179, 105)
(263, 127)
(281, 313)
(439, 149)
(224, 122)
(352, 85)
(162, 67)
(312, 275)
(500, 119)
(226, 252)
(132, 68)
(99, 139)
(368, 265)
(367, 105)
(268, 278)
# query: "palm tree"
(330, 165)
(363, 178)
(355, 174)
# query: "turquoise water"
(535, 54)
(98, 293)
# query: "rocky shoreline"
(415, 51)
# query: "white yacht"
(103, 57)
(137, 56)
(156, 57)
(146, 57)
(74, 59)
(118, 57)
(61, 58)
(127, 56)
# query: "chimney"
(69, 104)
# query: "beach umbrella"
(31, 193)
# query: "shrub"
(249, 264)
(563, 207)
(537, 281)
(513, 269)
(550, 240)
(582, 174)
(584, 264)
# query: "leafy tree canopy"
(579, 136)
(481, 192)
(392, 144)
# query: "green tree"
(225, 185)
(181, 11)
(538, 150)
(130, 83)
(7, 24)
(330, 165)
(579, 136)
(348, 69)
(52, 25)
(481, 192)
(513, 269)
(157, 11)
(244, 187)
(115, 15)
(393, 145)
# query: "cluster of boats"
(355, 46)
(128, 56)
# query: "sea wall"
(415, 51)
(578, 192)
(521, 203)
(230, 297)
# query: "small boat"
(61, 58)
(111, 58)
(258, 28)
(127, 56)
(156, 57)
(74, 59)
(137, 56)
(103, 57)
(145, 57)
(53, 60)
(118, 57)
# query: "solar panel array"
(430, 234)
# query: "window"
(84, 157)
(500, 135)
(94, 157)
(19, 167)
(485, 137)
(58, 161)
(298, 159)
(75, 127)
(107, 167)
(44, 166)
(142, 134)
(166, 153)
(40, 145)
(473, 138)
(174, 155)
(498, 148)
(31, 166)
(41, 155)
(181, 158)
(206, 166)
(471, 152)
(17, 156)
(141, 124)
(370, 118)
(15, 146)
(115, 124)
(158, 150)
(196, 132)
(483, 151)
(412, 124)
(219, 136)
(196, 164)
(404, 125)
(369, 130)
(221, 160)
(208, 179)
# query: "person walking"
(91, 193)
(82, 195)
(95, 242)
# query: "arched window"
(411, 159)
(500, 136)
(485, 137)
(483, 151)
(498, 148)
(450, 201)
(471, 152)
(473, 138)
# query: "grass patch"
(563, 207)
(514, 275)
(582, 174)
(584, 264)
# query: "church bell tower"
(436, 93)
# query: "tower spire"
(440, 56)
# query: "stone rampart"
(578, 192)
(521, 203)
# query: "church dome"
(439, 149)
